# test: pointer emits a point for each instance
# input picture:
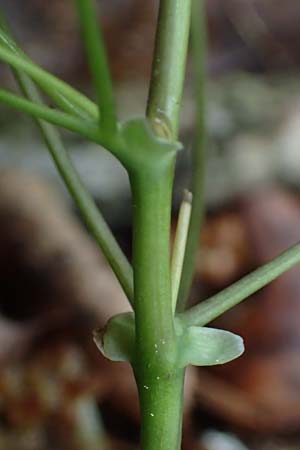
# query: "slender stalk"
(98, 63)
(168, 68)
(159, 383)
(198, 38)
(180, 245)
(86, 128)
(82, 198)
(42, 77)
(213, 307)
(7, 41)
(94, 219)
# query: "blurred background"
(56, 391)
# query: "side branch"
(81, 196)
(44, 78)
(98, 63)
(86, 128)
(213, 307)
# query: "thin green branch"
(86, 128)
(168, 68)
(98, 63)
(82, 198)
(6, 39)
(180, 245)
(198, 41)
(44, 78)
(61, 101)
(213, 307)
(90, 212)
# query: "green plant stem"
(82, 198)
(42, 77)
(86, 128)
(168, 68)
(159, 381)
(96, 223)
(213, 307)
(7, 41)
(161, 412)
(160, 385)
(198, 41)
(151, 263)
(98, 63)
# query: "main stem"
(159, 382)
(161, 412)
(168, 69)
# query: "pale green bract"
(198, 346)
(116, 340)
(202, 346)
